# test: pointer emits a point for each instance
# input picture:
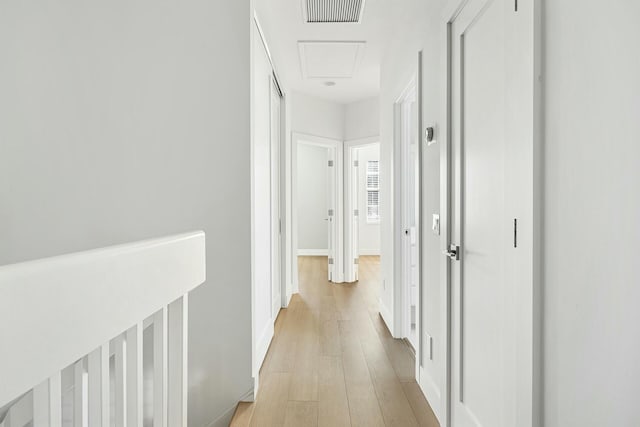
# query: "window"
(373, 191)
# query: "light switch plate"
(435, 224)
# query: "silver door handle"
(453, 252)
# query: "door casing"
(400, 294)
(407, 129)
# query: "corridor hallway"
(333, 362)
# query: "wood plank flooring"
(333, 363)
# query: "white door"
(331, 214)
(354, 193)
(410, 214)
(484, 366)
(276, 228)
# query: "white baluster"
(160, 368)
(178, 333)
(120, 374)
(79, 394)
(134, 376)
(55, 400)
(98, 387)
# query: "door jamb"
(399, 295)
(399, 291)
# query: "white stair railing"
(73, 325)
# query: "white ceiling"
(330, 60)
(354, 67)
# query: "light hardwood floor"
(332, 361)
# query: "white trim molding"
(369, 252)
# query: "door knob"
(453, 252)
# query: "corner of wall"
(387, 316)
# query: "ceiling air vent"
(333, 11)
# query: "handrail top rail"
(56, 310)
(104, 251)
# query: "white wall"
(312, 187)
(362, 119)
(317, 117)
(591, 212)
(368, 232)
(426, 32)
(117, 123)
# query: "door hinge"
(330, 261)
(280, 226)
(453, 252)
(330, 163)
(356, 261)
(355, 212)
(355, 163)
(516, 5)
(515, 232)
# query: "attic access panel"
(330, 59)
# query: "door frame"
(404, 129)
(338, 234)
(400, 296)
(277, 233)
(350, 268)
(529, 301)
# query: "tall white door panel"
(276, 223)
(483, 340)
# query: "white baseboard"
(432, 393)
(288, 299)
(262, 346)
(366, 252)
(313, 252)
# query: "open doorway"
(406, 129)
(318, 202)
(362, 198)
